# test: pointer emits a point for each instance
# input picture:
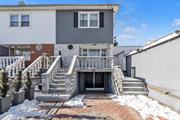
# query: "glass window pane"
(25, 23)
(24, 17)
(14, 18)
(93, 20)
(83, 20)
(94, 52)
(14, 24)
(103, 52)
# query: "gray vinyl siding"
(67, 34)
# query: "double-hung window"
(25, 21)
(14, 20)
(88, 19)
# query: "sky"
(137, 21)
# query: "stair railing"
(13, 69)
(50, 74)
(118, 79)
(71, 83)
(42, 62)
(7, 60)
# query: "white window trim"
(88, 13)
(25, 21)
(14, 20)
(19, 20)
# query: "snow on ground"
(76, 101)
(26, 109)
(146, 107)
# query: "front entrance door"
(94, 81)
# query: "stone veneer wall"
(66, 53)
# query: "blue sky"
(137, 22)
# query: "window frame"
(88, 19)
(24, 21)
(14, 20)
(19, 20)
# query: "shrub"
(4, 86)
(18, 81)
(28, 82)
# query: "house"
(158, 63)
(75, 32)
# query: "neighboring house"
(120, 52)
(66, 30)
(158, 63)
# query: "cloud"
(144, 26)
(126, 37)
(130, 29)
(176, 22)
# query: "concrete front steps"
(57, 90)
(133, 86)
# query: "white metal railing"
(50, 74)
(118, 77)
(13, 68)
(96, 62)
(71, 83)
(7, 60)
(42, 62)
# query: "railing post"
(45, 83)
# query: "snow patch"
(26, 109)
(146, 107)
(76, 101)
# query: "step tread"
(133, 87)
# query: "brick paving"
(98, 107)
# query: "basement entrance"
(94, 81)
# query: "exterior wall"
(42, 28)
(66, 53)
(46, 48)
(4, 51)
(160, 66)
(119, 52)
(67, 34)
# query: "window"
(83, 20)
(88, 19)
(93, 20)
(14, 20)
(24, 20)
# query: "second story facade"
(68, 30)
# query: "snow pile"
(26, 109)
(76, 101)
(147, 107)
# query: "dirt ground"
(98, 107)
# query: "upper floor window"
(19, 20)
(88, 19)
(25, 20)
(14, 20)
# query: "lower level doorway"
(94, 81)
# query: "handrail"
(72, 65)
(118, 79)
(12, 69)
(42, 62)
(71, 83)
(8, 60)
(50, 74)
(96, 62)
